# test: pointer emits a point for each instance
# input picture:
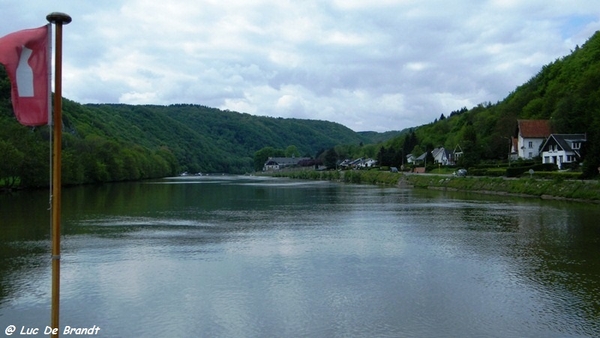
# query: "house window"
(546, 159)
(530, 144)
(576, 145)
(530, 154)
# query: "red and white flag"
(26, 56)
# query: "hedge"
(518, 171)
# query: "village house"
(278, 163)
(563, 149)
(442, 156)
(368, 163)
(357, 163)
(421, 159)
(531, 134)
(457, 154)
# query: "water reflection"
(241, 256)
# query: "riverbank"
(576, 190)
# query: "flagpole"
(58, 19)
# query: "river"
(236, 256)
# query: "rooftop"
(534, 128)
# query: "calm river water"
(263, 257)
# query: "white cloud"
(370, 65)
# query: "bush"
(518, 171)
(558, 176)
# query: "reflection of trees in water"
(565, 242)
(554, 245)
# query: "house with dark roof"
(277, 163)
(531, 134)
(357, 163)
(563, 148)
(442, 156)
(421, 159)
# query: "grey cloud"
(380, 65)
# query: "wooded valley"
(116, 142)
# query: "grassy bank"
(350, 176)
(544, 188)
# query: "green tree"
(330, 159)
(417, 151)
(591, 162)
(35, 168)
(292, 151)
(72, 170)
(10, 164)
(261, 156)
(429, 157)
(410, 141)
(385, 156)
(398, 158)
(471, 154)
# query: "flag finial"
(58, 18)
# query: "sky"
(370, 65)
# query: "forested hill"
(566, 92)
(208, 139)
(114, 142)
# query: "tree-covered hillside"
(207, 139)
(566, 92)
(115, 142)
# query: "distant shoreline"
(557, 189)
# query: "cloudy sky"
(368, 64)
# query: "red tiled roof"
(534, 128)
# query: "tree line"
(566, 92)
(119, 142)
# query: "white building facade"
(531, 135)
(562, 149)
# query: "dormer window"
(576, 145)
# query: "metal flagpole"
(58, 19)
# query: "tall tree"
(10, 164)
(330, 159)
(292, 151)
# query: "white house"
(531, 134)
(563, 148)
(442, 156)
(457, 154)
(368, 163)
(277, 163)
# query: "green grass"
(556, 187)
(560, 185)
